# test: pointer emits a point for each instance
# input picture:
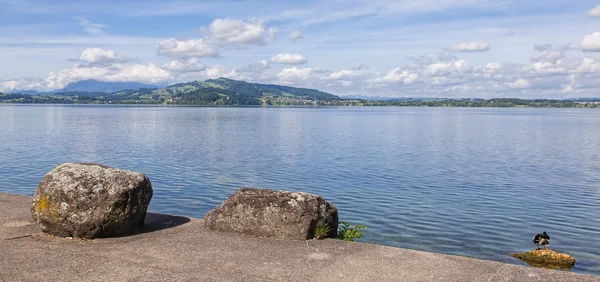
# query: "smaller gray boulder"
(272, 213)
(85, 200)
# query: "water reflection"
(438, 180)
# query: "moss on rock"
(546, 259)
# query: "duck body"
(541, 239)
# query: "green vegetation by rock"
(349, 232)
(546, 259)
(322, 231)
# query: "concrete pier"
(173, 248)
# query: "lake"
(477, 182)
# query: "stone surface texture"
(273, 213)
(85, 200)
(166, 250)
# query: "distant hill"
(255, 90)
(212, 92)
(228, 92)
(225, 91)
(93, 85)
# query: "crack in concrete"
(308, 259)
(19, 237)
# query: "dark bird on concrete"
(541, 239)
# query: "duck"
(541, 239)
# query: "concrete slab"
(173, 248)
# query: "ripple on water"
(473, 182)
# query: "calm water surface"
(473, 182)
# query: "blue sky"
(428, 48)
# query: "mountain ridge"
(224, 91)
(220, 91)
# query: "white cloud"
(257, 67)
(544, 69)
(289, 59)
(294, 75)
(344, 79)
(187, 49)
(587, 65)
(591, 42)
(594, 12)
(139, 72)
(549, 52)
(470, 47)
(397, 75)
(553, 71)
(549, 74)
(256, 72)
(8, 85)
(23, 84)
(295, 35)
(90, 27)
(360, 66)
(448, 67)
(216, 72)
(341, 75)
(149, 73)
(519, 84)
(221, 33)
(320, 70)
(237, 32)
(99, 64)
(97, 55)
(191, 65)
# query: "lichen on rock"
(85, 200)
(546, 259)
(273, 213)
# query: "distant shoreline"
(225, 92)
(355, 103)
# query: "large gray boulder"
(85, 200)
(272, 213)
